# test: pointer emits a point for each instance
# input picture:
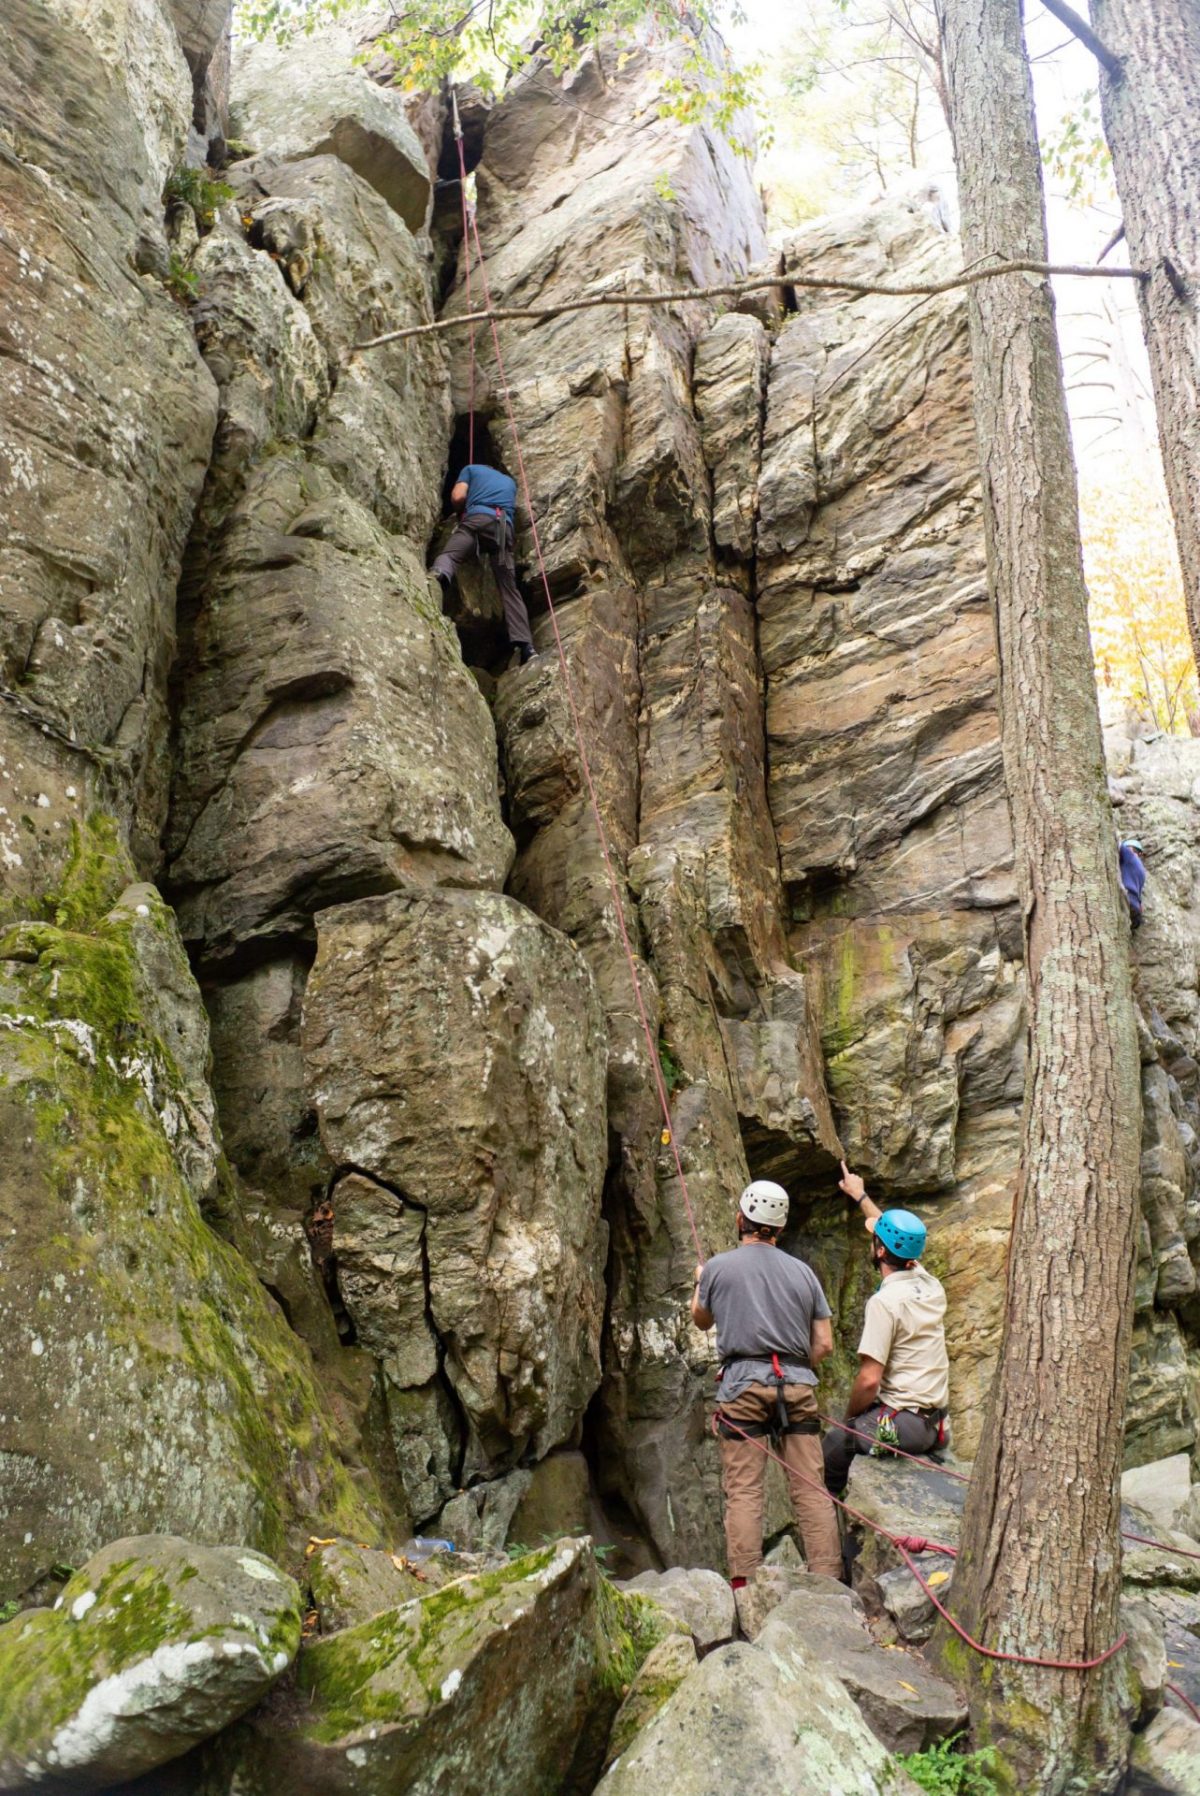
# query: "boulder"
(455, 1052)
(1177, 1613)
(1160, 1489)
(1146, 1651)
(478, 1520)
(351, 1583)
(1166, 1757)
(662, 1671)
(1162, 1556)
(557, 1501)
(202, 1416)
(903, 1498)
(901, 1597)
(308, 98)
(701, 1599)
(769, 1585)
(495, 1685)
(758, 1723)
(901, 1700)
(153, 1646)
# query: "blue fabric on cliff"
(1133, 875)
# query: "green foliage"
(197, 189)
(672, 1072)
(182, 281)
(8, 1610)
(1079, 156)
(943, 1770)
(487, 41)
(857, 88)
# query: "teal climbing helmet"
(902, 1233)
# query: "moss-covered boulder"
(151, 1384)
(504, 1684)
(153, 1646)
(663, 1670)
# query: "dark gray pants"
(916, 1434)
(466, 541)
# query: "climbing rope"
(904, 1544)
(668, 1133)
(931, 1465)
(462, 188)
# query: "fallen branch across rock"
(761, 283)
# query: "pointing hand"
(852, 1185)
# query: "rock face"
(149, 1375)
(389, 1232)
(455, 1051)
(152, 1647)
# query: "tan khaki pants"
(744, 1466)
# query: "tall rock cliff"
(337, 1196)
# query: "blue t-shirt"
(1133, 875)
(488, 490)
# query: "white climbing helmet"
(764, 1203)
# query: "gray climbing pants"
(476, 535)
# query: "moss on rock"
(202, 1414)
(154, 1645)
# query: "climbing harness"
(780, 1423)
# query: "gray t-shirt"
(763, 1301)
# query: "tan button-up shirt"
(903, 1329)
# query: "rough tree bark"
(1150, 100)
(1039, 1571)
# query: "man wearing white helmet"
(773, 1327)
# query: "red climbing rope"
(905, 1545)
(902, 1544)
(462, 188)
(931, 1465)
(1187, 1702)
(651, 1047)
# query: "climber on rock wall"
(1133, 878)
(899, 1397)
(773, 1327)
(485, 500)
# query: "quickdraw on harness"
(779, 1424)
(887, 1439)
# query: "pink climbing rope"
(905, 1545)
(651, 1046)
(931, 1465)
(902, 1544)
(462, 188)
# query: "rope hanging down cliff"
(492, 316)
(668, 1133)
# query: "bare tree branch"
(1074, 22)
(807, 282)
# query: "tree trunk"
(1039, 1570)
(1151, 111)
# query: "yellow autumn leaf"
(911, 1688)
(936, 1578)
